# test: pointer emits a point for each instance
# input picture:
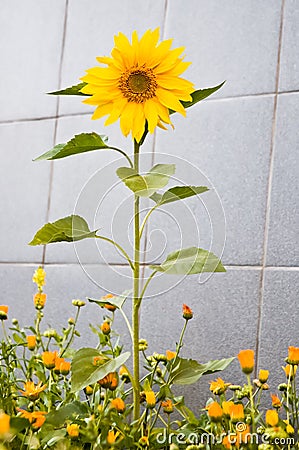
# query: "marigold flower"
(112, 436)
(88, 390)
(118, 404)
(289, 428)
(105, 328)
(108, 305)
(272, 417)
(39, 300)
(3, 312)
(58, 362)
(150, 399)
(290, 371)
(263, 376)
(39, 277)
(36, 418)
(276, 402)
(226, 406)
(167, 406)
(140, 85)
(187, 312)
(293, 356)
(215, 412)
(143, 345)
(226, 442)
(65, 367)
(237, 413)
(98, 360)
(31, 342)
(243, 436)
(49, 359)
(73, 430)
(110, 381)
(124, 374)
(218, 386)
(4, 423)
(246, 359)
(31, 391)
(170, 355)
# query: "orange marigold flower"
(49, 359)
(218, 386)
(293, 356)
(98, 360)
(243, 437)
(226, 406)
(290, 371)
(31, 391)
(73, 430)
(118, 404)
(110, 381)
(215, 412)
(167, 406)
(4, 423)
(88, 390)
(170, 355)
(31, 342)
(3, 312)
(112, 436)
(276, 402)
(187, 312)
(105, 328)
(108, 305)
(36, 418)
(65, 367)
(272, 417)
(246, 359)
(237, 412)
(226, 442)
(150, 398)
(39, 300)
(263, 376)
(58, 362)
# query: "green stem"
(119, 248)
(72, 333)
(136, 300)
(251, 403)
(124, 154)
(147, 283)
(178, 348)
(146, 219)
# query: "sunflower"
(140, 84)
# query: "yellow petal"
(138, 122)
(101, 111)
(170, 100)
(151, 114)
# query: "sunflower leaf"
(188, 371)
(80, 143)
(177, 193)
(189, 261)
(146, 185)
(73, 90)
(67, 229)
(117, 301)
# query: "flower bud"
(272, 418)
(39, 300)
(142, 345)
(71, 321)
(263, 376)
(293, 355)
(15, 322)
(246, 359)
(78, 303)
(283, 387)
(187, 312)
(118, 404)
(88, 390)
(3, 312)
(150, 399)
(105, 328)
(276, 402)
(49, 359)
(31, 342)
(124, 374)
(215, 412)
(65, 368)
(159, 357)
(167, 406)
(73, 430)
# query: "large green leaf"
(117, 301)
(68, 229)
(146, 185)
(84, 372)
(190, 261)
(81, 143)
(71, 411)
(177, 193)
(188, 371)
(73, 90)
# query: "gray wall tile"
(283, 240)
(289, 64)
(31, 37)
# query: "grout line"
(56, 121)
(82, 113)
(269, 190)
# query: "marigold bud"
(73, 430)
(170, 355)
(237, 413)
(215, 412)
(290, 371)
(142, 345)
(71, 321)
(276, 402)
(159, 357)
(293, 355)
(150, 399)
(50, 333)
(31, 342)
(187, 312)
(105, 328)
(39, 300)
(65, 368)
(272, 418)
(118, 404)
(283, 387)
(88, 390)
(167, 406)
(246, 359)
(3, 312)
(124, 374)
(78, 303)
(263, 376)
(15, 322)
(49, 359)
(4, 423)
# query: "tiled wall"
(243, 142)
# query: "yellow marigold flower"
(246, 360)
(31, 342)
(187, 312)
(289, 428)
(39, 277)
(215, 412)
(140, 85)
(290, 371)
(31, 391)
(142, 345)
(49, 359)
(272, 417)
(124, 374)
(167, 406)
(218, 386)
(263, 376)
(293, 356)
(88, 390)
(170, 355)
(110, 381)
(226, 406)
(39, 300)
(105, 328)
(73, 430)
(112, 436)
(3, 312)
(150, 399)
(4, 423)
(276, 402)
(118, 404)
(237, 412)
(36, 418)
(65, 367)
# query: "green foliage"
(189, 261)
(67, 229)
(73, 90)
(177, 193)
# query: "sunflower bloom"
(31, 391)
(140, 84)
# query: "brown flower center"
(138, 85)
